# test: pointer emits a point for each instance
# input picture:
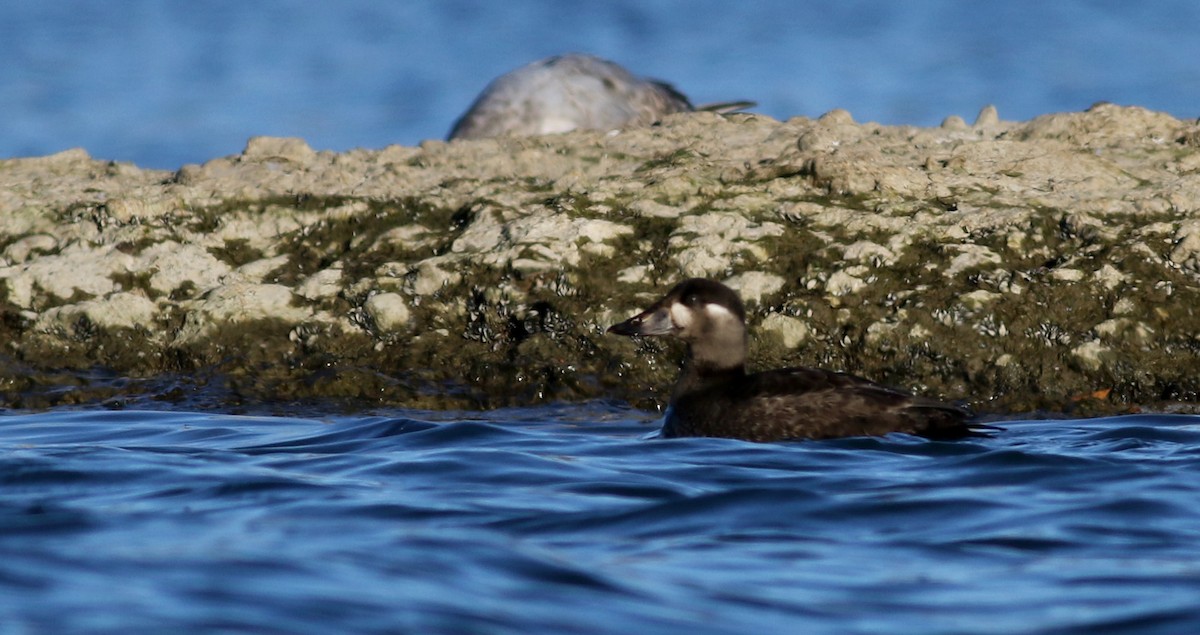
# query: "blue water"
(168, 83)
(564, 519)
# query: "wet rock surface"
(1050, 265)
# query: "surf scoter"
(715, 397)
(573, 92)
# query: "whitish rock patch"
(707, 245)
(239, 302)
(76, 269)
(388, 311)
(119, 310)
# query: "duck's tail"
(943, 421)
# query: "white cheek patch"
(719, 314)
(681, 316)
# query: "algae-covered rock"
(1014, 266)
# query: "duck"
(569, 92)
(714, 396)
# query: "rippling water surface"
(569, 519)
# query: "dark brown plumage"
(714, 397)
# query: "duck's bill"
(652, 321)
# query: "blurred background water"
(167, 83)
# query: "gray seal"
(572, 92)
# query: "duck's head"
(706, 314)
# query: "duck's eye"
(691, 299)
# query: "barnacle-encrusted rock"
(1017, 266)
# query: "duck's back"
(807, 403)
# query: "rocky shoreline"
(1049, 265)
